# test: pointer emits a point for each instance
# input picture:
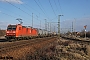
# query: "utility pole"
(72, 28)
(74, 24)
(45, 24)
(59, 25)
(75, 27)
(50, 26)
(32, 19)
(54, 28)
(40, 24)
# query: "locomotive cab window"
(14, 28)
(11, 27)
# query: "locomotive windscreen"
(11, 27)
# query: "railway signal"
(85, 31)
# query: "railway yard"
(48, 48)
(44, 30)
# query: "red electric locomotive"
(19, 32)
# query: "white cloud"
(13, 1)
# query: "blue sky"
(77, 11)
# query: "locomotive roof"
(23, 26)
(27, 26)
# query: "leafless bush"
(43, 54)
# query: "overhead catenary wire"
(28, 9)
(11, 12)
(52, 8)
(60, 6)
(25, 7)
(35, 9)
(31, 7)
(32, 13)
(45, 11)
(18, 8)
(56, 6)
(8, 15)
(41, 9)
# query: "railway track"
(15, 45)
(76, 39)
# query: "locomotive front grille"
(9, 34)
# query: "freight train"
(18, 32)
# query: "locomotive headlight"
(7, 31)
(14, 32)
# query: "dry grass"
(29, 52)
(58, 50)
(2, 32)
